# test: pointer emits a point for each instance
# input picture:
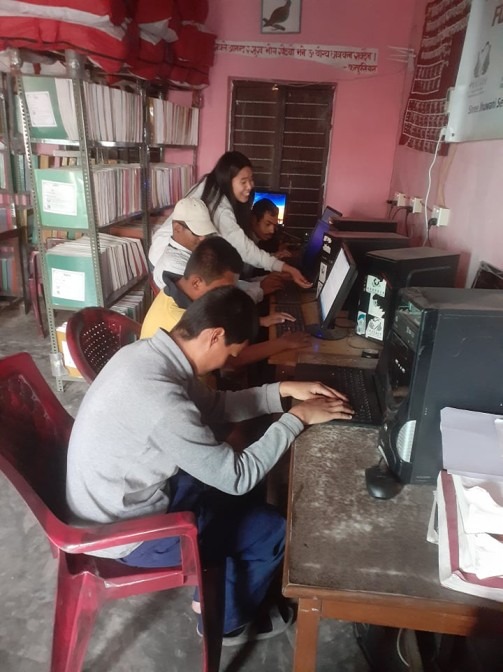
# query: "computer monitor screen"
(488, 277)
(311, 253)
(330, 213)
(337, 285)
(279, 198)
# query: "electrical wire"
(426, 238)
(398, 648)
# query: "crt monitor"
(310, 260)
(330, 213)
(279, 198)
(331, 298)
(488, 277)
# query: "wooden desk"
(355, 558)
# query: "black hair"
(212, 258)
(218, 183)
(226, 307)
(262, 206)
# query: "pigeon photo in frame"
(280, 16)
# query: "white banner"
(476, 102)
(355, 59)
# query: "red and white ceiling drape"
(153, 39)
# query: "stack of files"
(470, 503)
(113, 115)
(133, 305)
(172, 124)
(61, 195)
(169, 182)
(72, 274)
(9, 283)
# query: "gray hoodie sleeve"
(194, 448)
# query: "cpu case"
(389, 271)
(445, 348)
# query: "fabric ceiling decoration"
(153, 40)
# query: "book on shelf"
(71, 272)
(133, 305)
(171, 123)
(62, 200)
(169, 183)
(68, 362)
(113, 115)
(9, 280)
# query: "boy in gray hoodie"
(141, 444)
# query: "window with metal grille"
(284, 129)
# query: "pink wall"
(367, 108)
(467, 181)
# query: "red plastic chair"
(93, 335)
(33, 447)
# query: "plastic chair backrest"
(33, 440)
(94, 335)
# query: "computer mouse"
(381, 482)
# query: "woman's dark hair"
(218, 183)
(226, 307)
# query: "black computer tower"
(359, 244)
(362, 224)
(445, 348)
(392, 270)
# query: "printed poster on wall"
(476, 103)
(436, 70)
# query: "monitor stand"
(335, 334)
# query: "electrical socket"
(401, 199)
(417, 205)
(441, 215)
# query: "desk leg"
(306, 641)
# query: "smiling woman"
(226, 191)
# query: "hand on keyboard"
(295, 339)
(276, 318)
(322, 409)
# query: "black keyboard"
(289, 294)
(296, 311)
(351, 382)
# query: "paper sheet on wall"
(59, 198)
(69, 285)
(40, 109)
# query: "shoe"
(275, 624)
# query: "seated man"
(214, 263)
(264, 232)
(145, 419)
(192, 224)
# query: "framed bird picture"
(280, 16)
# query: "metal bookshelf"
(12, 232)
(89, 151)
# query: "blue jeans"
(242, 533)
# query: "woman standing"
(226, 191)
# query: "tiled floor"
(149, 634)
